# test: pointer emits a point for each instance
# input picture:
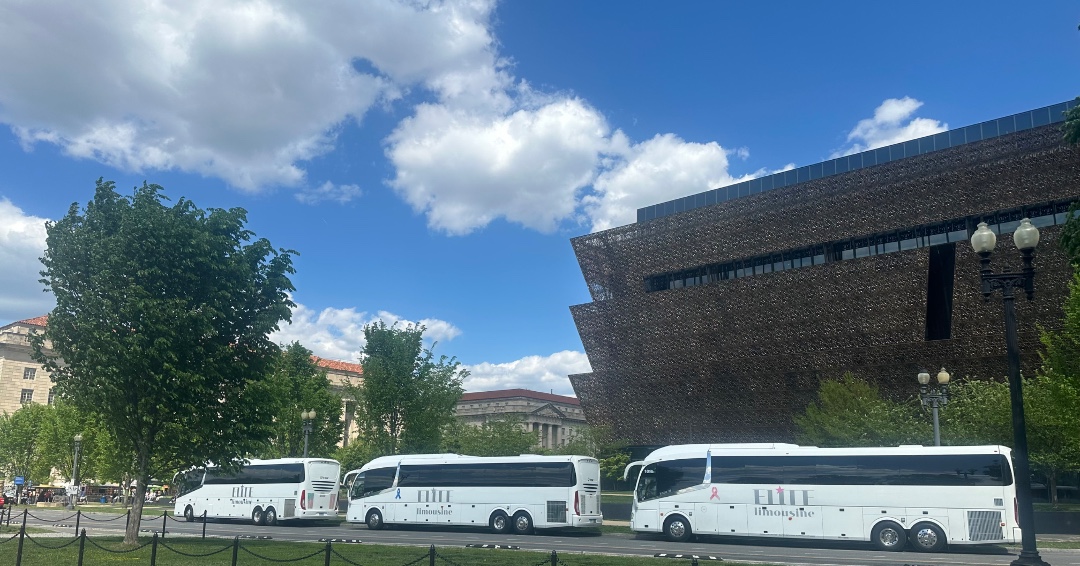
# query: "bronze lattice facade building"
(715, 317)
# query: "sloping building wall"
(718, 324)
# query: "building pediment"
(549, 410)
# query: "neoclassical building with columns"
(554, 418)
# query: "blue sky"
(430, 161)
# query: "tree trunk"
(131, 535)
(1051, 485)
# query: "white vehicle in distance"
(928, 497)
(266, 491)
(506, 494)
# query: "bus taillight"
(303, 499)
(577, 506)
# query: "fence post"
(78, 515)
(82, 545)
(431, 556)
(693, 561)
(327, 561)
(554, 558)
(153, 551)
(22, 533)
(235, 549)
(164, 517)
(204, 523)
(127, 521)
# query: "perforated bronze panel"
(734, 360)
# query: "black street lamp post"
(73, 498)
(1026, 238)
(307, 417)
(934, 396)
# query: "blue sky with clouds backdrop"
(430, 161)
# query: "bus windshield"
(186, 482)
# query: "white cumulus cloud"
(244, 90)
(338, 333)
(539, 373)
(891, 123)
(22, 243)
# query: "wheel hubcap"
(927, 537)
(523, 523)
(677, 529)
(889, 537)
(500, 522)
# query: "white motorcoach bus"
(929, 497)
(266, 491)
(507, 494)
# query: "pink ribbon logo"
(714, 495)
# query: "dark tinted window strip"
(526, 474)
(944, 140)
(258, 474)
(1046, 214)
(935, 469)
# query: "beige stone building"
(22, 380)
(554, 418)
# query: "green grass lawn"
(218, 552)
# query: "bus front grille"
(984, 525)
(323, 486)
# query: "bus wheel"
(500, 523)
(677, 528)
(257, 516)
(887, 535)
(927, 537)
(189, 514)
(270, 516)
(523, 523)
(374, 520)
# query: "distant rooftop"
(869, 158)
(514, 393)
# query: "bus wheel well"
(499, 522)
(677, 528)
(523, 523)
(927, 536)
(888, 535)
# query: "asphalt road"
(564, 542)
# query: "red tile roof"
(510, 393)
(337, 365)
(42, 320)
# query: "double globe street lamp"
(983, 242)
(934, 396)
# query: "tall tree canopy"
(21, 453)
(851, 412)
(407, 396)
(161, 326)
(496, 437)
(299, 384)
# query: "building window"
(27, 396)
(52, 395)
(29, 373)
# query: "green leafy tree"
(852, 412)
(1072, 123)
(161, 327)
(20, 447)
(595, 441)
(298, 384)
(1055, 399)
(613, 467)
(62, 422)
(496, 437)
(407, 396)
(356, 454)
(978, 413)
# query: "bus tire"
(499, 523)
(927, 537)
(523, 524)
(889, 536)
(374, 520)
(257, 516)
(189, 514)
(677, 528)
(270, 516)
